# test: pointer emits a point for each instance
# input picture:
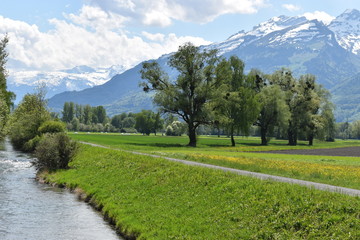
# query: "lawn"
(152, 198)
(339, 171)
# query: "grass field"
(152, 198)
(339, 171)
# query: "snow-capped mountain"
(347, 30)
(259, 31)
(329, 51)
(75, 79)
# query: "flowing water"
(34, 211)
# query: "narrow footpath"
(315, 185)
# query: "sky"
(51, 35)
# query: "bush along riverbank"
(149, 198)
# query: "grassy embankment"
(339, 171)
(152, 198)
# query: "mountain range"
(75, 79)
(329, 51)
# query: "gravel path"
(344, 152)
(321, 186)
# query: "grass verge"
(156, 199)
(333, 170)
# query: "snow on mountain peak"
(347, 30)
(276, 24)
(77, 78)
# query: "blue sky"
(56, 34)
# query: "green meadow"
(339, 171)
(153, 198)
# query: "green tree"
(274, 111)
(75, 124)
(158, 123)
(145, 122)
(355, 129)
(128, 122)
(6, 97)
(79, 112)
(236, 103)
(189, 94)
(68, 112)
(27, 118)
(100, 113)
(320, 120)
(87, 114)
(116, 121)
(288, 84)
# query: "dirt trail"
(320, 186)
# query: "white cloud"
(96, 18)
(163, 12)
(319, 15)
(291, 7)
(94, 38)
(154, 37)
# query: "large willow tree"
(189, 94)
(236, 104)
(6, 97)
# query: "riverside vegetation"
(151, 198)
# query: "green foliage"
(54, 151)
(6, 97)
(176, 128)
(68, 112)
(187, 202)
(274, 111)
(123, 120)
(311, 112)
(189, 94)
(75, 115)
(51, 127)
(236, 105)
(27, 118)
(145, 122)
(355, 129)
(30, 145)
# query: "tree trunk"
(311, 140)
(292, 136)
(263, 136)
(232, 136)
(192, 136)
(232, 140)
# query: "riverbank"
(149, 198)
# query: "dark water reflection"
(29, 210)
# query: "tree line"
(86, 118)
(6, 97)
(214, 90)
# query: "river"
(33, 211)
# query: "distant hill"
(346, 95)
(331, 52)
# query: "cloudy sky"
(50, 35)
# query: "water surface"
(34, 211)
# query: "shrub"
(54, 151)
(52, 127)
(30, 145)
